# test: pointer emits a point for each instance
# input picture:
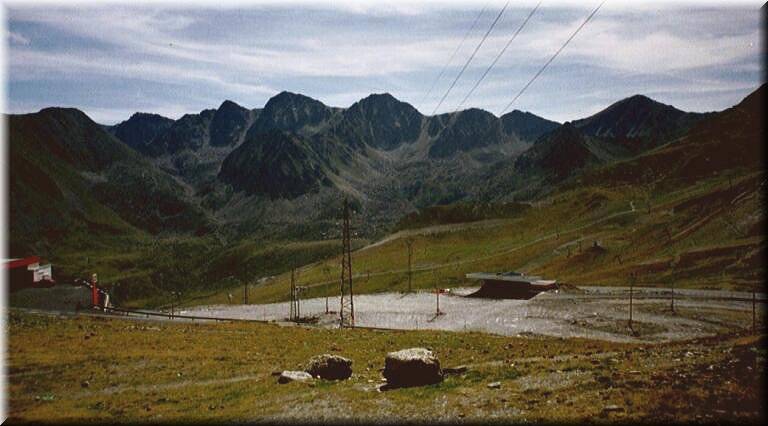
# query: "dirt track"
(595, 312)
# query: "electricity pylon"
(347, 311)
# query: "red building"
(28, 272)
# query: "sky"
(113, 59)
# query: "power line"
(553, 57)
(498, 56)
(453, 55)
(479, 45)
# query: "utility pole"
(294, 315)
(409, 245)
(631, 289)
(673, 296)
(245, 292)
(753, 309)
(347, 311)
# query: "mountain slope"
(466, 130)
(638, 123)
(725, 141)
(381, 121)
(141, 129)
(291, 112)
(276, 165)
(190, 132)
(70, 177)
(558, 154)
(228, 124)
(526, 126)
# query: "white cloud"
(16, 38)
(174, 46)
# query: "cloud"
(398, 47)
(16, 38)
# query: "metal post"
(631, 288)
(753, 310)
(409, 244)
(293, 313)
(673, 295)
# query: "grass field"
(93, 369)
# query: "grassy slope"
(689, 213)
(685, 240)
(171, 372)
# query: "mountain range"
(283, 169)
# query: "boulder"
(291, 376)
(330, 367)
(412, 367)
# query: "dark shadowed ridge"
(381, 121)
(228, 123)
(139, 130)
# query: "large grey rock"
(290, 376)
(412, 367)
(330, 367)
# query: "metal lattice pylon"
(347, 311)
(295, 313)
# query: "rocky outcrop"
(330, 367)
(412, 367)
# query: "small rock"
(612, 408)
(290, 376)
(494, 385)
(461, 369)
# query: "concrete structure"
(510, 285)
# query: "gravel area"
(591, 312)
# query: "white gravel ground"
(598, 312)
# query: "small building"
(28, 273)
(510, 285)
